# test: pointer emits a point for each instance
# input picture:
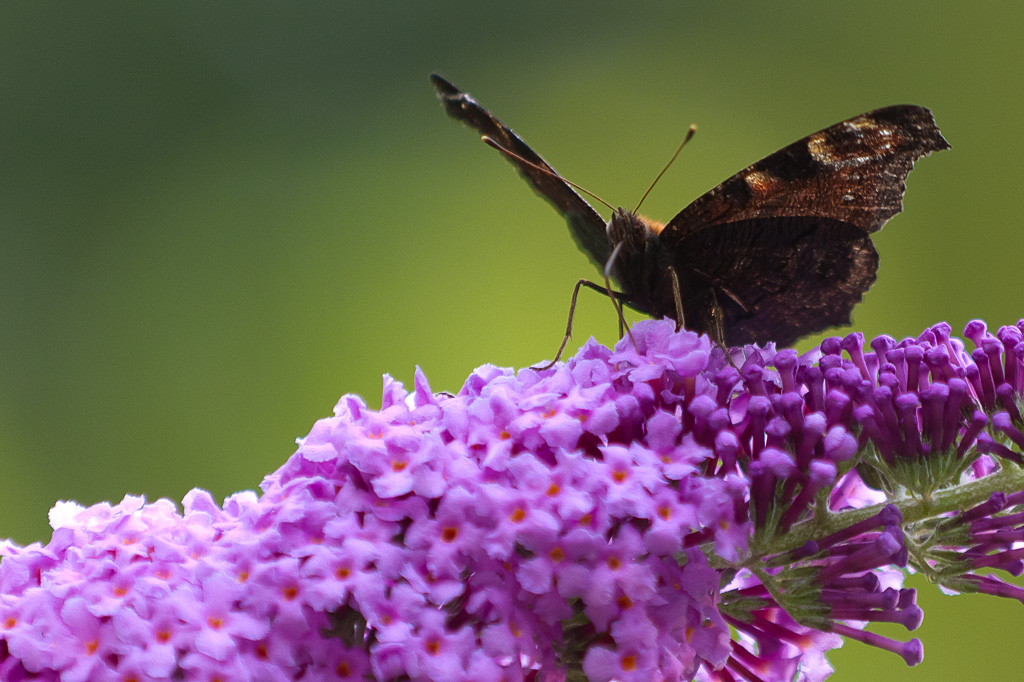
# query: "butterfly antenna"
(689, 136)
(508, 152)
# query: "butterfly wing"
(782, 249)
(854, 171)
(585, 224)
(774, 282)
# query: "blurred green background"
(215, 219)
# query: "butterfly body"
(639, 267)
(779, 250)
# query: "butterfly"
(780, 250)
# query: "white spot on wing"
(759, 183)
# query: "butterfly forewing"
(853, 171)
(585, 224)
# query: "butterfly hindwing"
(585, 224)
(774, 281)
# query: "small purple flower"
(657, 512)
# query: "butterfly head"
(634, 241)
(627, 228)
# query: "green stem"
(1009, 479)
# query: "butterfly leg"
(716, 323)
(611, 294)
(677, 294)
(716, 327)
(606, 290)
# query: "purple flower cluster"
(658, 512)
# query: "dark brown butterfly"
(780, 250)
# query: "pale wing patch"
(760, 182)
